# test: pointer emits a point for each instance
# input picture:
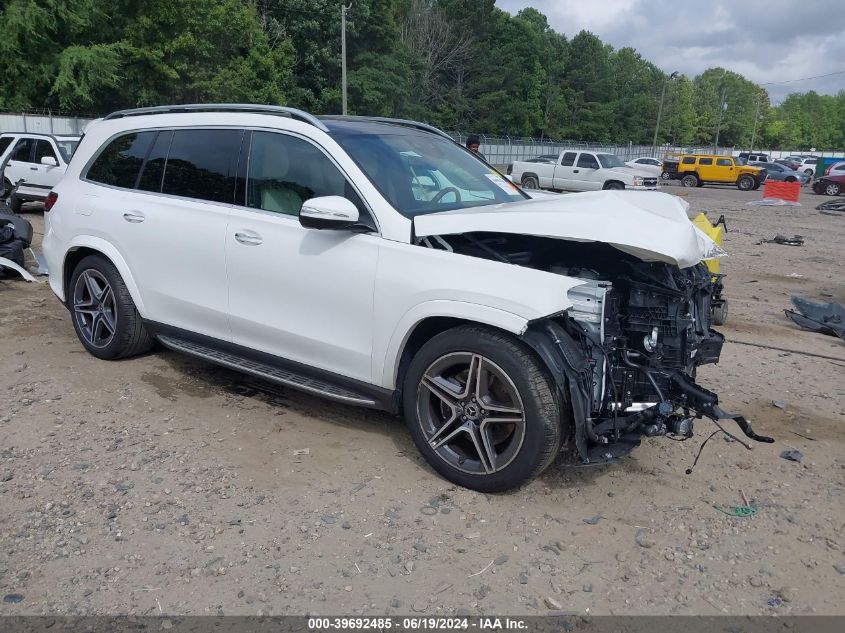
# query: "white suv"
(35, 163)
(378, 263)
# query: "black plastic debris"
(824, 318)
(795, 240)
(792, 455)
(832, 205)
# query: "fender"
(107, 249)
(477, 313)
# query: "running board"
(268, 372)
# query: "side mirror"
(328, 212)
(49, 161)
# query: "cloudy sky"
(767, 41)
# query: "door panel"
(564, 171)
(302, 294)
(584, 177)
(47, 176)
(20, 161)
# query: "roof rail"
(382, 119)
(255, 108)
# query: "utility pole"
(722, 107)
(343, 9)
(756, 118)
(660, 108)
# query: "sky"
(766, 41)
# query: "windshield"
(67, 148)
(610, 160)
(420, 173)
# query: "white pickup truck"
(581, 171)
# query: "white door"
(585, 174)
(563, 171)
(20, 166)
(48, 175)
(170, 220)
(304, 295)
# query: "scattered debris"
(792, 455)
(593, 520)
(779, 404)
(302, 451)
(824, 318)
(478, 573)
(773, 202)
(832, 205)
(552, 604)
(738, 511)
(795, 240)
(12, 598)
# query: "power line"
(789, 81)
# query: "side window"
(724, 162)
(285, 171)
(705, 161)
(588, 161)
(23, 150)
(44, 148)
(688, 160)
(119, 162)
(202, 164)
(568, 159)
(4, 143)
(153, 169)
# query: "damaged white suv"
(378, 263)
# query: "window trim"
(321, 149)
(83, 173)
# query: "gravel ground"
(162, 484)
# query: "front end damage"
(627, 352)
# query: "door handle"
(575, 171)
(248, 238)
(34, 168)
(134, 217)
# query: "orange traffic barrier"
(784, 190)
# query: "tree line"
(458, 64)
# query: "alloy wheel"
(94, 308)
(470, 413)
(832, 189)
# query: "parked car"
(835, 169)
(698, 169)
(808, 165)
(775, 171)
(378, 263)
(830, 185)
(575, 170)
(791, 163)
(653, 166)
(746, 157)
(35, 163)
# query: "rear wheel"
(809, 173)
(719, 313)
(530, 182)
(481, 409)
(745, 183)
(832, 189)
(104, 315)
(690, 180)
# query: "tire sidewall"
(527, 462)
(745, 187)
(119, 341)
(530, 182)
(690, 180)
(832, 189)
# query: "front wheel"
(745, 183)
(832, 189)
(481, 409)
(104, 316)
(614, 186)
(666, 175)
(808, 173)
(530, 182)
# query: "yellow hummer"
(696, 169)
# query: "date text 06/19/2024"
(386, 623)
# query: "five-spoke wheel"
(93, 308)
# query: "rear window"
(705, 161)
(118, 164)
(724, 162)
(202, 164)
(568, 159)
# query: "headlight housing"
(638, 181)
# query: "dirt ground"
(162, 484)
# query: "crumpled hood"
(649, 225)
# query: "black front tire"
(745, 183)
(130, 337)
(543, 413)
(614, 186)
